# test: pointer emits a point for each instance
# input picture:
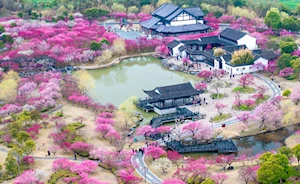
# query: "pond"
(130, 77)
(264, 142)
(122, 81)
(252, 145)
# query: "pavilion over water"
(166, 99)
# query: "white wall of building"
(183, 19)
(176, 51)
(249, 41)
(200, 21)
(164, 111)
(183, 54)
(238, 69)
(183, 22)
(262, 61)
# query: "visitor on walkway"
(75, 156)
(49, 153)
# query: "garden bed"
(244, 89)
(217, 96)
(221, 117)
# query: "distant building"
(230, 40)
(166, 99)
(171, 20)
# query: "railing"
(220, 146)
(181, 113)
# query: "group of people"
(140, 151)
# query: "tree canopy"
(243, 56)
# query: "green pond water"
(129, 78)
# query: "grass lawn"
(244, 89)
(216, 96)
(222, 117)
(243, 107)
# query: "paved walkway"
(113, 62)
(138, 160)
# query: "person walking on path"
(49, 153)
(75, 156)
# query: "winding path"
(138, 160)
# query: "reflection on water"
(264, 142)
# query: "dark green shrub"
(20, 14)
(71, 17)
(292, 77)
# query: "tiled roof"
(199, 52)
(173, 44)
(232, 34)
(165, 10)
(173, 91)
(150, 23)
(233, 48)
(266, 53)
(182, 29)
(195, 11)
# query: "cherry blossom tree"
(244, 117)
(54, 149)
(248, 174)
(128, 176)
(268, 114)
(219, 74)
(162, 51)
(162, 163)
(146, 131)
(192, 128)
(173, 181)
(103, 129)
(224, 160)
(154, 151)
(219, 178)
(248, 102)
(206, 74)
(163, 129)
(295, 95)
(175, 157)
(220, 107)
(216, 86)
(261, 90)
(80, 147)
(286, 72)
(246, 80)
(28, 176)
(113, 136)
(238, 101)
(201, 86)
(107, 121)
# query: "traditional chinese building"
(166, 99)
(230, 40)
(172, 20)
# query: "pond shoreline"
(266, 132)
(114, 61)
